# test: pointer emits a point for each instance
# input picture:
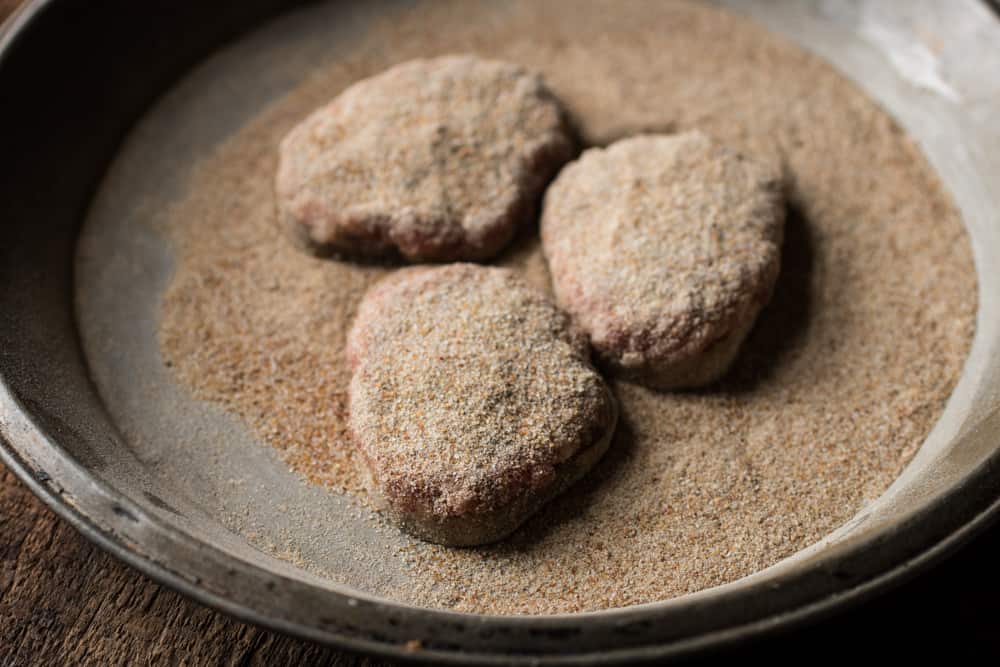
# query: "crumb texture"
(439, 159)
(472, 396)
(662, 245)
(842, 378)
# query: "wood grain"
(6, 7)
(64, 601)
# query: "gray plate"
(91, 421)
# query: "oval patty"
(664, 249)
(433, 160)
(473, 401)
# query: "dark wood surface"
(7, 6)
(64, 601)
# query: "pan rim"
(75, 481)
(53, 488)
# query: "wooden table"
(64, 601)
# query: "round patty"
(473, 401)
(435, 160)
(664, 249)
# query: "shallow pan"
(75, 78)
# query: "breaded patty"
(473, 401)
(664, 249)
(433, 160)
